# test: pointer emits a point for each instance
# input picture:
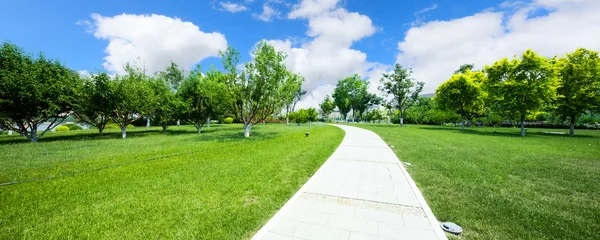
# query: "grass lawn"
(153, 185)
(502, 186)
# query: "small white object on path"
(361, 192)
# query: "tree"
(578, 85)
(194, 94)
(300, 116)
(34, 91)
(97, 101)
(259, 90)
(462, 93)
(312, 115)
(349, 94)
(518, 87)
(326, 107)
(368, 101)
(464, 68)
(131, 97)
(173, 76)
(293, 95)
(420, 111)
(402, 87)
(165, 106)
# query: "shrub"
(112, 126)
(62, 129)
(228, 120)
(73, 127)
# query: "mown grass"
(154, 185)
(503, 186)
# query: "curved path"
(361, 192)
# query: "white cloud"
(233, 7)
(436, 49)
(83, 73)
(427, 9)
(327, 56)
(267, 14)
(155, 40)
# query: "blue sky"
(431, 36)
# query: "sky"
(325, 40)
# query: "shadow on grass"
(214, 133)
(502, 132)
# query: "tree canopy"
(462, 93)
(402, 87)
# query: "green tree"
(131, 97)
(349, 94)
(173, 76)
(368, 101)
(578, 85)
(326, 107)
(259, 91)
(293, 95)
(96, 102)
(165, 105)
(194, 93)
(521, 86)
(420, 112)
(300, 116)
(312, 115)
(464, 68)
(403, 88)
(462, 93)
(34, 91)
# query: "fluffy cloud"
(153, 41)
(328, 56)
(436, 49)
(232, 7)
(267, 14)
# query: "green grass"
(502, 186)
(153, 185)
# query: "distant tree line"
(522, 89)
(35, 90)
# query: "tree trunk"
(572, 127)
(522, 126)
(164, 127)
(178, 122)
(462, 123)
(147, 122)
(199, 128)
(33, 135)
(124, 132)
(247, 128)
(287, 121)
(100, 130)
(309, 123)
(208, 122)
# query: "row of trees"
(519, 88)
(35, 90)
(508, 90)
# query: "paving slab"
(361, 192)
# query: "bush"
(228, 120)
(112, 126)
(73, 127)
(62, 129)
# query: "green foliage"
(312, 114)
(350, 94)
(73, 127)
(463, 94)
(62, 129)
(464, 68)
(402, 87)
(113, 126)
(261, 89)
(34, 90)
(326, 107)
(228, 120)
(96, 102)
(132, 97)
(165, 107)
(519, 87)
(579, 85)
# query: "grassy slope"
(152, 185)
(502, 186)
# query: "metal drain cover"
(451, 228)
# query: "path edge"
(265, 228)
